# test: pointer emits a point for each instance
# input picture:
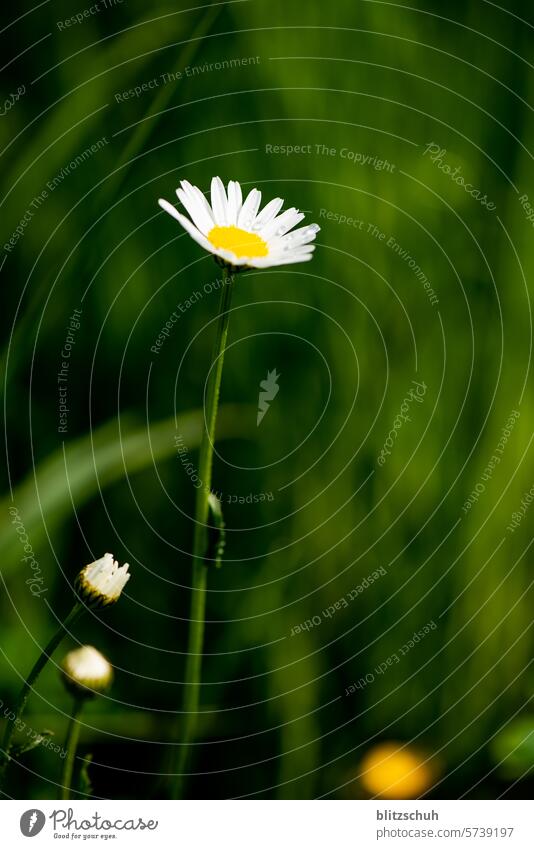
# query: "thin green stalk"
(71, 744)
(20, 704)
(200, 568)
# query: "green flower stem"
(200, 567)
(20, 704)
(71, 744)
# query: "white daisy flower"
(86, 672)
(236, 233)
(101, 583)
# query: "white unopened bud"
(101, 583)
(86, 672)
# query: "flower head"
(101, 583)
(86, 672)
(393, 770)
(237, 233)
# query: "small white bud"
(101, 583)
(86, 672)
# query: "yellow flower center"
(241, 243)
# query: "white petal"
(276, 254)
(268, 213)
(284, 252)
(282, 223)
(235, 199)
(219, 202)
(197, 208)
(302, 236)
(229, 256)
(186, 224)
(90, 572)
(285, 259)
(119, 581)
(249, 210)
(168, 207)
(202, 199)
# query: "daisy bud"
(101, 583)
(86, 672)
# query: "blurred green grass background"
(348, 332)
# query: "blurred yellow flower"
(394, 770)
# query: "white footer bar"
(268, 824)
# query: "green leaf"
(31, 743)
(84, 781)
(80, 469)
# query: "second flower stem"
(20, 704)
(200, 567)
(71, 744)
